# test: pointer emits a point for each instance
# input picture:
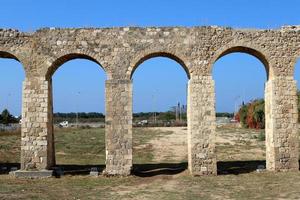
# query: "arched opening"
(159, 115)
(78, 115)
(68, 57)
(161, 55)
(13, 75)
(297, 78)
(240, 75)
(249, 51)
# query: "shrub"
(7, 118)
(252, 114)
(261, 136)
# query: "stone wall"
(119, 51)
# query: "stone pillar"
(37, 150)
(201, 126)
(118, 127)
(282, 140)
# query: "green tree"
(243, 115)
(259, 113)
(7, 118)
(252, 114)
(167, 116)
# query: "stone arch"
(261, 55)
(176, 58)
(55, 63)
(10, 55)
(140, 59)
(7, 54)
(264, 58)
(52, 65)
(294, 61)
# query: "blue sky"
(237, 76)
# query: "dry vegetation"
(160, 170)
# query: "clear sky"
(238, 76)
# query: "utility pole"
(154, 106)
(179, 108)
(236, 104)
(78, 93)
(177, 112)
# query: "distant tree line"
(164, 116)
(7, 118)
(175, 113)
(82, 117)
(225, 114)
(169, 115)
(250, 115)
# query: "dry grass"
(72, 145)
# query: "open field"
(160, 156)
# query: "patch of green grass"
(261, 136)
(80, 146)
(10, 147)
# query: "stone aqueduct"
(119, 51)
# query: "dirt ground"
(170, 147)
(231, 144)
(161, 155)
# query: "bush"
(252, 114)
(261, 136)
(85, 127)
(7, 118)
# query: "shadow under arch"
(5, 54)
(160, 54)
(247, 50)
(68, 57)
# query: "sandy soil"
(170, 147)
(231, 144)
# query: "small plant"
(85, 127)
(261, 136)
(254, 137)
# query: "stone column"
(118, 127)
(282, 140)
(201, 126)
(37, 150)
